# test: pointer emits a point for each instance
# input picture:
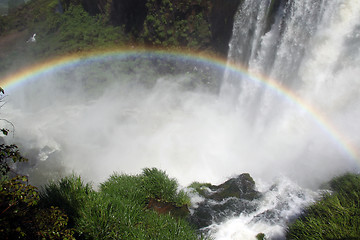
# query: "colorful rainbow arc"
(25, 74)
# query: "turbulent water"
(71, 120)
(313, 49)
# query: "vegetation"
(78, 25)
(158, 186)
(121, 209)
(20, 214)
(70, 208)
(69, 194)
(335, 216)
(144, 206)
(57, 33)
(200, 188)
(177, 23)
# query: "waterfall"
(311, 48)
(298, 43)
(307, 47)
(289, 117)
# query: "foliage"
(56, 33)
(20, 214)
(335, 216)
(53, 224)
(17, 197)
(9, 154)
(69, 194)
(177, 23)
(77, 30)
(21, 217)
(30, 14)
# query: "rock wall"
(221, 21)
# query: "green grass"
(69, 194)
(124, 186)
(110, 217)
(119, 210)
(159, 186)
(335, 216)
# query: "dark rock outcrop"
(221, 21)
(242, 187)
(235, 196)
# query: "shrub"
(20, 215)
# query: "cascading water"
(129, 111)
(312, 48)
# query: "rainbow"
(58, 63)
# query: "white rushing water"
(66, 122)
(312, 48)
(279, 205)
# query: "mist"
(72, 120)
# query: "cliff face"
(221, 21)
(200, 24)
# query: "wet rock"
(221, 21)
(242, 187)
(233, 197)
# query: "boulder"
(243, 187)
(232, 197)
